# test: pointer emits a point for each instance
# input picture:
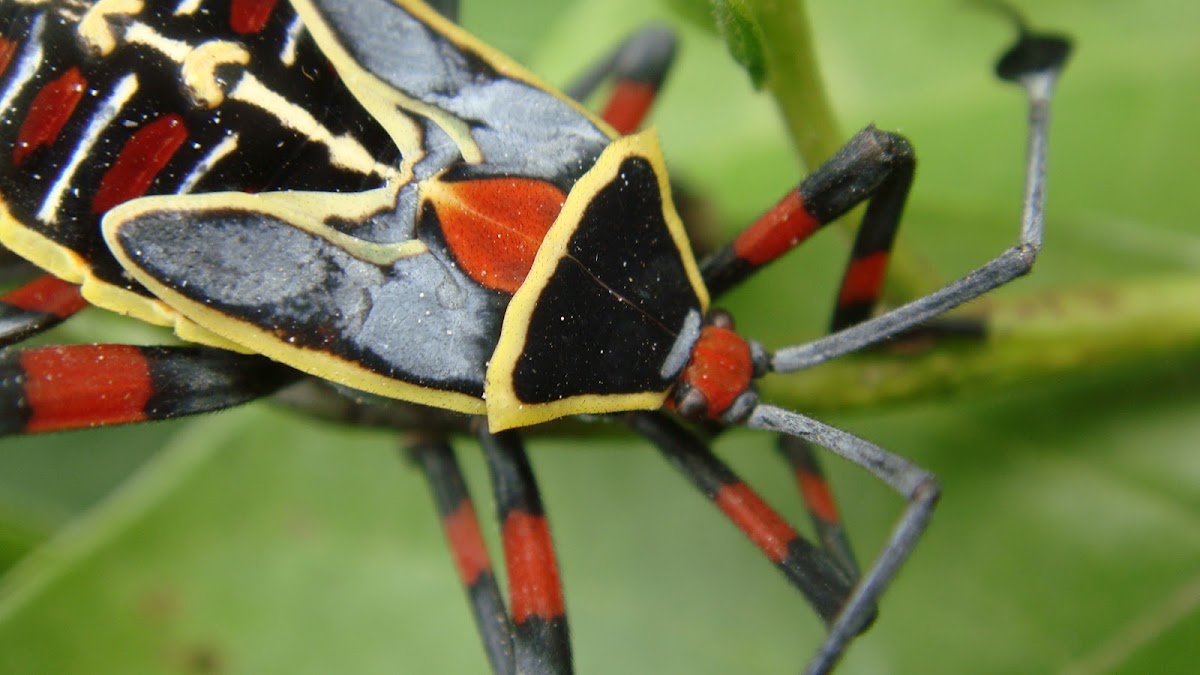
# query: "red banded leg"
(436, 459)
(820, 503)
(79, 386)
(37, 306)
(876, 166)
(541, 638)
(814, 572)
(536, 639)
(637, 67)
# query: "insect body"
(397, 284)
(367, 194)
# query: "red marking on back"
(627, 107)
(533, 584)
(495, 226)
(140, 160)
(720, 368)
(48, 113)
(864, 279)
(762, 525)
(7, 49)
(250, 16)
(466, 543)
(786, 224)
(47, 294)
(74, 386)
(816, 494)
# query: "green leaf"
(1068, 534)
(743, 37)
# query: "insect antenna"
(1035, 62)
(917, 486)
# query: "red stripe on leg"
(817, 496)
(750, 513)
(532, 569)
(864, 279)
(627, 107)
(787, 223)
(47, 294)
(48, 113)
(466, 543)
(140, 160)
(77, 386)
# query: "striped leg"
(638, 67)
(37, 306)
(818, 500)
(436, 459)
(542, 641)
(876, 166)
(814, 572)
(536, 639)
(79, 386)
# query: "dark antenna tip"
(1033, 52)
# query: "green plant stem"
(1028, 338)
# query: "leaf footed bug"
(431, 224)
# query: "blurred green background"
(1068, 538)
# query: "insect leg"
(874, 165)
(819, 501)
(542, 641)
(436, 459)
(815, 573)
(37, 306)
(77, 386)
(639, 65)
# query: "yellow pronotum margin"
(505, 410)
